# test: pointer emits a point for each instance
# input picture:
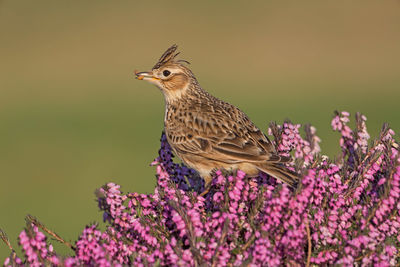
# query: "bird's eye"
(166, 73)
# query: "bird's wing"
(224, 134)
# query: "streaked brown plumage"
(207, 133)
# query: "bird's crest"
(169, 56)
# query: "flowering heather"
(344, 212)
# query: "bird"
(208, 134)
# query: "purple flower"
(348, 210)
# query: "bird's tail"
(280, 172)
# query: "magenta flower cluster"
(343, 212)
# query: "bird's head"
(170, 75)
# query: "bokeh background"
(72, 116)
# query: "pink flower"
(348, 207)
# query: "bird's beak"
(145, 75)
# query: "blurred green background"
(72, 116)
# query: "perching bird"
(207, 133)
